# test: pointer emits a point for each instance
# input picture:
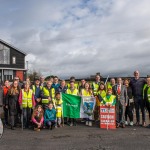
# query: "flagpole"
(106, 79)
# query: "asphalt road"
(80, 137)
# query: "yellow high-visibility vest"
(74, 92)
(27, 99)
(148, 92)
(48, 93)
(86, 93)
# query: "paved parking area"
(80, 137)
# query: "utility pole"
(27, 69)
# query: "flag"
(71, 105)
(88, 106)
(77, 106)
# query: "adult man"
(111, 84)
(62, 88)
(42, 81)
(48, 94)
(95, 85)
(37, 89)
(120, 91)
(137, 85)
(73, 91)
(82, 86)
(55, 84)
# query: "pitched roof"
(12, 47)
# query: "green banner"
(71, 105)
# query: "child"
(37, 118)
(58, 105)
(109, 100)
(50, 116)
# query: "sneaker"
(126, 123)
(131, 123)
(90, 123)
(71, 124)
(144, 124)
(86, 123)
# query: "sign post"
(107, 117)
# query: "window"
(13, 60)
(4, 54)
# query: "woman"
(130, 104)
(27, 103)
(101, 93)
(87, 91)
(6, 87)
(12, 103)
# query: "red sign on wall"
(107, 117)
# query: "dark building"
(12, 62)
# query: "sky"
(79, 37)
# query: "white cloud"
(80, 37)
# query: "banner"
(88, 106)
(107, 117)
(71, 105)
(77, 106)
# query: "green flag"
(71, 105)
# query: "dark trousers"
(5, 115)
(13, 120)
(129, 112)
(139, 104)
(50, 123)
(120, 113)
(26, 117)
(148, 108)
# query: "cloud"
(80, 37)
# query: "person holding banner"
(120, 91)
(101, 93)
(73, 91)
(87, 91)
(58, 107)
(110, 99)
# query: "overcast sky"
(79, 37)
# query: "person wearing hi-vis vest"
(58, 107)
(101, 93)
(73, 91)
(87, 91)
(110, 99)
(146, 96)
(27, 103)
(95, 85)
(48, 94)
(37, 89)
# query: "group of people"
(39, 105)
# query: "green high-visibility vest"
(148, 92)
(111, 100)
(49, 93)
(27, 99)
